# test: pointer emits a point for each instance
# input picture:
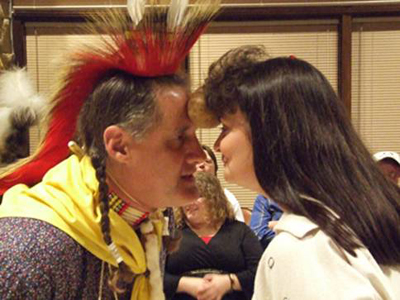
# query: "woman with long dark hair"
(339, 235)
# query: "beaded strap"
(133, 216)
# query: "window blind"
(47, 45)
(375, 85)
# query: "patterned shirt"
(39, 261)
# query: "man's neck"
(123, 194)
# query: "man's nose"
(196, 154)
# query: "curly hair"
(218, 207)
(225, 75)
(304, 144)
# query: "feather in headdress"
(176, 13)
(136, 10)
(20, 108)
(146, 46)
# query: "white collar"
(296, 225)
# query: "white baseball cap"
(378, 156)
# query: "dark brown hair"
(304, 144)
(212, 156)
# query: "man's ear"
(116, 142)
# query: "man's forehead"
(172, 103)
(174, 91)
(172, 99)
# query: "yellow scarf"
(67, 199)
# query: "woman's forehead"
(237, 118)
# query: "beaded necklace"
(136, 219)
(131, 215)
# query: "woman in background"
(218, 256)
(210, 165)
(339, 234)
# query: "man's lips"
(189, 174)
(188, 178)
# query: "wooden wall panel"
(42, 3)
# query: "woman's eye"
(224, 129)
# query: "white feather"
(176, 12)
(136, 10)
(5, 126)
(16, 91)
(18, 95)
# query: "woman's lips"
(224, 160)
(190, 208)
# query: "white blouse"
(303, 263)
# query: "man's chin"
(188, 196)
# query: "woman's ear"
(116, 142)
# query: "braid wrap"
(122, 276)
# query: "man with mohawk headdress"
(86, 225)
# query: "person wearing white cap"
(389, 163)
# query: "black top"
(234, 249)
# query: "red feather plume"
(151, 49)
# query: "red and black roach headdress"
(150, 40)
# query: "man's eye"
(181, 139)
(177, 142)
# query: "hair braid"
(121, 276)
(100, 168)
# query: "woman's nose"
(217, 145)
